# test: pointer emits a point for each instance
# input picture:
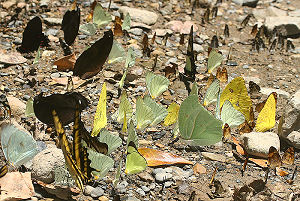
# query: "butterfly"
(253, 87)
(172, 116)
(117, 53)
(236, 93)
(196, 124)
(33, 36)
(64, 104)
(231, 116)
(3, 170)
(18, 146)
(156, 84)
(222, 74)
(190, 67)
(226, 31)
(70, 25)
(211, 93)
(5, 111)
(214, 60)
(266, 117)
(91, 61)
(274, 159)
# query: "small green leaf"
(37, 56)
(132, 136)
(135, 162)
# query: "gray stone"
(294, 139)
(17, 107)
(168, 184)
(45, 162)
(295, 13)
(258, 144)
(140, 15)
(88, 189)
(136, 31)
(291, 121)
(268, 91)
(97, 192)
(145, 189)
(198, 48)
(53, 21)
(130, 198)
(52, 32)
(122, 186)
(250, 3)
(289, 25)
(140, 191)
(163, 176)
(261, 14)
(295, 101)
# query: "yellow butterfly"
(266, 117)
(236, 93)
(100, 119)
(172, 116)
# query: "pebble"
(44, 163)
(53, 21)
(280, 92)
(145, 176)
(140, 15)
(52, 32)
(294, 139)
(44, 3)
(258, 143)
(47, 53)
(17, 106)
(295, 101)
(145, 189)
(214, 157)
(136, 31)
(198, 48)
(162, 175)
(180, 174)
(122, 186)
(97, 192)
(140, 191)
(168, 184)
(8, 4)
(245, 66)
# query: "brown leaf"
(274, 159)
(22, 189)
(157, 158)
(281, 172)
(289, 156)
(199, 169)
(65, 63)
(259, 162)
(222, 74)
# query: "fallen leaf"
(199, 169)
(157, 158)
(12, 190)
(281, 172)
(12, 58)
(259, 162)
(65, 63)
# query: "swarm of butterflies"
(87, 156)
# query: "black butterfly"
(90, 62)
(5, 112)
(70, 25)
(63, 104)
(33, 36)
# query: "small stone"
(162, 177)
(44, 3)
(168, 184)
(268, 91)
(140, 15)
(145, 189)
(198, 48)
(122, 186)
(8, 4)
(245, 66)
(45, 162)
(145, 176)
(152, 186)
(53, 21)
(295, 101)
(140, 191)
(294, 139)
(184, 188)
(162, 32)
(17, 106)
(214, 157)
(199, 169)
(52, 32)
(289, 25)
(258, 144)
(97, 192)
(136, 31)
(47, 54)
(131, 198)
(103, 198)
(88, 189)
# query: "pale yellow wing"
(266, 117)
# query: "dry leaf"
(289, 156)
(260, 162)
(157, 158)
(199, 169)
(65, 63)
(12, 190)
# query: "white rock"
(295, 13)
(162, 32)
(45, 162)
(268, 91)
(139, 15)
(291, 24)
(251, 3)
(53, 21)
(291, 121)
(17, 106)
(294, 139)
(261, 14)
(295, 101)
(47, 54)
(258, 144)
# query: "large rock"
(45, 162)
(258, 144)
(289, 25)
(294, 139)
(295, 101)
(139, 15)
(261, 14)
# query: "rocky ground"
(277, 71)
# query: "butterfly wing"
(70, 25)
(266, 117)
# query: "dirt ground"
(277, 70)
